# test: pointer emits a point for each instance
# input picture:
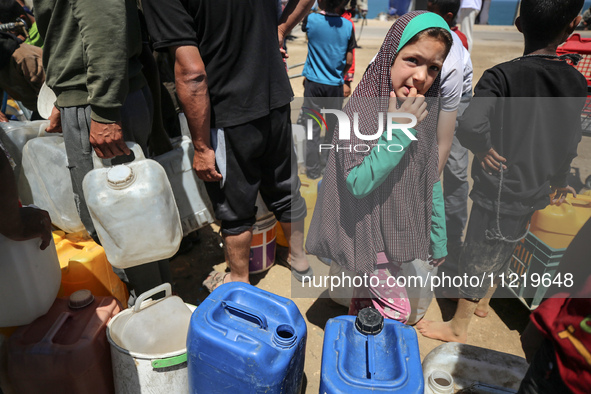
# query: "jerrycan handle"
(245, 313)
(580, 200)
(55, 327)
(133, 146)
(165, 287)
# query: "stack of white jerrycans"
(140, 209)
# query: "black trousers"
(316, 97)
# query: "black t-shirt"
(529, 111)
(238, 41)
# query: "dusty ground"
(499, 331)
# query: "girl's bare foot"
(440, 330)
(299, 263)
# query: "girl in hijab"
(380, 205)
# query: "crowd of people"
(380, 212)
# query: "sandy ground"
(499, 331)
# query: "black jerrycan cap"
(369, 321)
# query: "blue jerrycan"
(246, 340)
(367, 354)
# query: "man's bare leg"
(294, 233)
(455, 330)
(484, 304)
(238, 256)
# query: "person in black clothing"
(235, 92)
(523, 126)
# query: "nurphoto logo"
(393, 120)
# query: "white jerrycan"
(14, 135)
(29, 282)
(189, 191)
(45, 166)
(133, 210)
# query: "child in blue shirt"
(331, 40)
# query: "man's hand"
(55, 121)
(36, 223)
(413, 104)
(437, 262)
(204, 165)
(347, 89)
(281, 38)
(491, 161)
(107, 139)
(560, 194)
(3, 117)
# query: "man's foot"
(454, 296)
(441, 331)
(215, 279)
(482, 311)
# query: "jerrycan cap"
(369, 321)
(80, 299)
(120, 176)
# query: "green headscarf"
(420, 23)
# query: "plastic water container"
(191, 198)
(84, 266)
(29, 280)
(45, 166)
(148, 344)
(367, 354)
(66, 350)
(245, 340)
(262, 248)
(471, 367)
(133, 210)
(557, 225)
(14, 136)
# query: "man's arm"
(105, 46)
(474, 130)
(452, 82)
(348, 62)
(191, 85)
(293, 13)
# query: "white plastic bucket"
(29, 280)
(263, 245)
(133, 210)
(144, 371)
(189, 191)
